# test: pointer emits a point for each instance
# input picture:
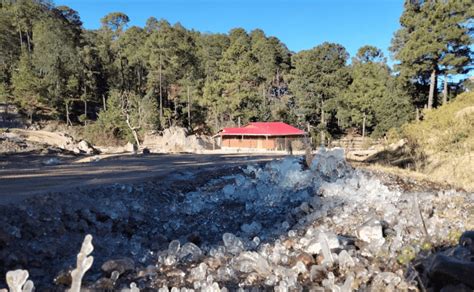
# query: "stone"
(370, 231)
(63, 278)
(84, 146)
(305, 258)
(449, 270)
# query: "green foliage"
(435, 38)
(318, 76)
(27, 87)
(126, 112)
(53, 68)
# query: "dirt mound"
(18, 139)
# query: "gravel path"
(23, 175)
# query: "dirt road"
(26, 179)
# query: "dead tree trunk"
(133, 129)
(445, 89)
(104, 103)
(431, 95)
(68, 121)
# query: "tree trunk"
(28, 41)
(363, 126)
(161, 95)
(445, 89)
(21, 39)
(103, 101)
(134, 130)
(189, 110)
(85, 111)
(68, 121)
(322, 123)
(175, 112)
(431, 95)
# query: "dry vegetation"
(442, 144)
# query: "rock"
(146, 151)
(370, 231)
(148, 271)
(467, 240)
(305, 258)
(121, 265)
(448, 270)
(63, 278)
(85, 147)
(130, 148)
(104, 284)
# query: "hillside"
(441, 145)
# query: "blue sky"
(300, 24)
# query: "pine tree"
(317, 79)
(27, 87)
(434, 38)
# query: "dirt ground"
(24, 174)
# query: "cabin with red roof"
(263, 135)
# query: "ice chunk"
(370, 231)
(173, 247)
(232, 243)
(345, 260)
(191, 251)
(300, 268)
(252, 261)
(199, 273)
(329, 164)
(252, 228)
(328, 258)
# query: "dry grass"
(418, 176)
(442, 144)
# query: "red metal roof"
(263, 129)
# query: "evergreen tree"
(434, 38)
(317, 80)
(27, 87)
